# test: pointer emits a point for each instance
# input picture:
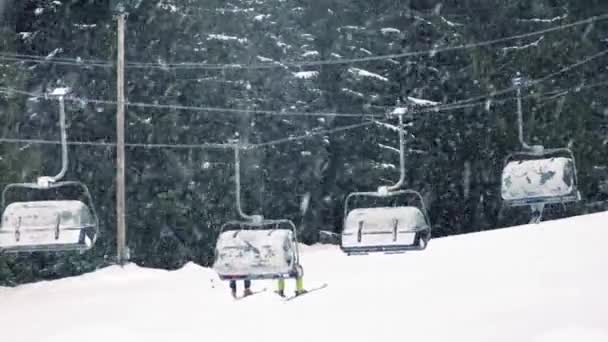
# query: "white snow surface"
(534, 283)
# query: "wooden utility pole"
(121, 226)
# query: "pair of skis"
(289, 298)
(250, 295)
(286, 298)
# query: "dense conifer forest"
(307, 85)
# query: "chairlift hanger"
(254, 233)
(534, 160)
(81, 232)
(419, 234)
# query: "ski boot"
(247, 292)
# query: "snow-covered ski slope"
(541, 283)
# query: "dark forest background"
(177, 199)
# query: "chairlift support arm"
(237, 181)
(64, 144)
(520, 121)
(518, 82)
(398, 185)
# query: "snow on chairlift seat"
(47, 226)
(256, 254)
(383, 228)
(549, 180)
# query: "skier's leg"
(537, 213)
(281, 287)
(300, 281)
(300, 285)
(233, 288)
(247, 287)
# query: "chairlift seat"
(539, 181)
(256, 254)
(47, 226)
(385, 229)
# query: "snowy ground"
(543, 283)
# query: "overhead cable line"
(113, 144)
(195, 108)
(463, 103)
(554, 93)
(283, 64)
(311, 134)
(279, 64)
(460, 104)
(187, 146)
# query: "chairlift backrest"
(383, 218)
(47, 226)
(385, 229)
(546, 178)
(257, 253)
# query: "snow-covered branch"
(365, 73)
(546, 21)
(450, 23)
(522, 47)
(391, 127)
(422, 102)
(390, 148)
(396, 150)
(305, 75)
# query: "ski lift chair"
(49, 225)
(386, 229)
(256, 248)
(546, 178)
(536, 176)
